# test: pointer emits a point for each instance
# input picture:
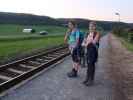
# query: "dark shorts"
(75, 55)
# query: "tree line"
(30, 19)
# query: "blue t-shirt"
(73, 36)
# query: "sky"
(88, 9)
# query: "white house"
(28, 30)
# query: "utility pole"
(118, 14)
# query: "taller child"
(73, 37)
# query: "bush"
(120, 31)
(130, 37)
(33, 31)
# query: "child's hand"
(68, 31)
(65, 40)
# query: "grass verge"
(10, 49)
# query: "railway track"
(16, 72)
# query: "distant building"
(28, 30)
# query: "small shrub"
(130, 37)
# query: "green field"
(11, 30)
(14, 42)
(9, 49)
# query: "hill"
(30, 19)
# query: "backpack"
(81, 37)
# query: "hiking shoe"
(88, 83)
(72, 74)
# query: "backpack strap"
(95, 33)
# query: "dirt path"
(121, 68)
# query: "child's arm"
(84, 42)
(66, 36)
(97, 38)
(89, 39)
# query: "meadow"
(14, 42)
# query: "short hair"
(73, 22)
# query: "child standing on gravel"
(73, 37)
(92, 44)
